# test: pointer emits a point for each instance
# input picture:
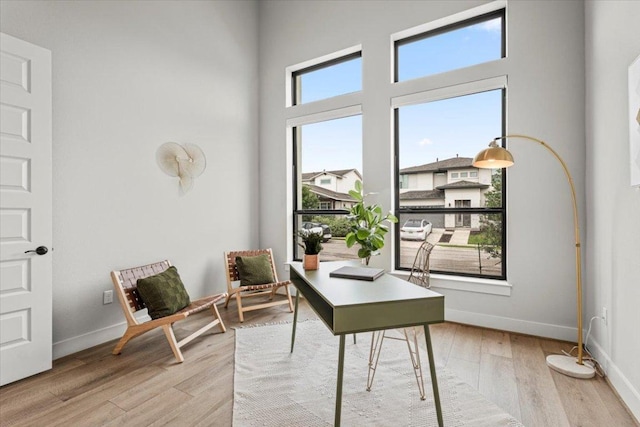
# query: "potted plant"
(312, 245)
(366, 225)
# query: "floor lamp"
(496, 157)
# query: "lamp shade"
(493, 157)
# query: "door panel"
(25, 209)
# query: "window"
(466, 217)
(404, 181)
(337, 77)
(438, 130)
(327, 146)
(452, 47)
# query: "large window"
(460, 209)
(462, 205)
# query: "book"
(358, 273)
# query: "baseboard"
(88, 340)
(538, 329)
(627, 392)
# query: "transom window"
(452, 47)
(328, 79)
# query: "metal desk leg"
(339, 388)
(434, 381)
(295, 320)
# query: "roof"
(441, 166)
(323, 192)
(308, 176)
(421, 195)
(462, 184)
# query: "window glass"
(430, 142)
(333, 146)
(461, 45)
(328, 80)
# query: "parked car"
(315, 227)
(415, 229)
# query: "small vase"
(311, 262)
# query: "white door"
(25, 209)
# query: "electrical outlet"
(604, 315)
(107, 297)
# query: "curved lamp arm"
(485, 158)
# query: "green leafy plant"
(366, 225)
(311, 242)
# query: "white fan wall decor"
(186, 162)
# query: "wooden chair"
(240, 292)
(125, 282)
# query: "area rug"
(273, 387)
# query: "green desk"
(349, 306)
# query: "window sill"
(467, 284)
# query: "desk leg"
(434, 381)
(339, 388)
(295, 320)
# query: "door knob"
(40, 250)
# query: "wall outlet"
(107, 297)
(604, 315)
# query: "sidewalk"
(460, 236)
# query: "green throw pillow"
(254, 270)
(164, 293)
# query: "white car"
(415, 229)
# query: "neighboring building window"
(473, 174)
(403, 181)
(325, 205)
(325, 181)
(454, 175)
(464, 174)
(463, 44)
(337, 77)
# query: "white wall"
(127, 77)
(546, 99)
(613, 207)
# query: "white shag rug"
(273, 387)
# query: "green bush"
(339, 225)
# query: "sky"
(429, 131)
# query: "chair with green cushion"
(256, 272)
(158, 288)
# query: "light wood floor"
(144, 386)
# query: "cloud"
(493, 25)
(425, 141)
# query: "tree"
(309, 200)
(491, 224)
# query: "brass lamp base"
(569, 366)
